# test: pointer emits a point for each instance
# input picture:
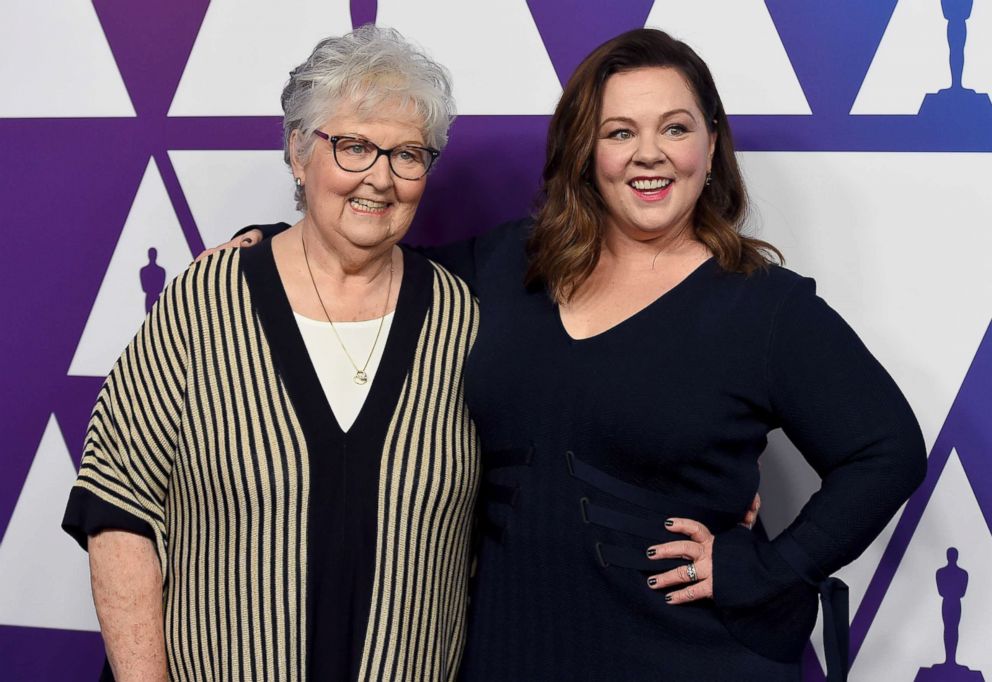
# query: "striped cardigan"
(290, 549)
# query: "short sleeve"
(132, 434)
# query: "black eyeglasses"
(356, 154)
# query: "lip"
(652, 195)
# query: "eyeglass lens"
(355, 154)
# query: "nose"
(649, 151)
(380, 176)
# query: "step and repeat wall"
(134, 134)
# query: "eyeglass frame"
(334, 139)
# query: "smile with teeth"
(654, 184)
(368, 205)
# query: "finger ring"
(691, 571)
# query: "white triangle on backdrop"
(912, 58)
(227, 190)
(245, 50)
(742, 49)
(55, 62)
(494, 51)
(907, 633)
(44, 575)
(119, 307)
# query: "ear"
(299, 170)
(713, 138)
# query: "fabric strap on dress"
(833, 597)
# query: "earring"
(299, 184)
(709, 178)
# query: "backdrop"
(127, 127)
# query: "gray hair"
(369, 66)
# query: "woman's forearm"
(127, 592)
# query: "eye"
(410, 156)
(354, 147)
(676, 130)
(620, 134)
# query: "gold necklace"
(360, 378)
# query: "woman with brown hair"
(635, 348)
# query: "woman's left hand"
(698, 550)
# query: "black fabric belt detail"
(491, 529)
(636, 559)
(833, 598)
(634, 525)
(498, 493)
(714, 519)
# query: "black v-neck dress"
(589, 445)
(291, 550)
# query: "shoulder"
(768, 288)
(511, 233)
(218, 269)
(503, 250)
(202, 284)
(419, 266)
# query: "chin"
(371, 238)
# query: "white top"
(336, 373)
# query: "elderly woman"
(635, 349)
(280, 472)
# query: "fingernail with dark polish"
(652, 581)
(651, 551)
(668, 598)
(669, 523)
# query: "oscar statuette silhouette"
(152, 279)
(952, 583)
(956, 101)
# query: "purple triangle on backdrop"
(75, 392)
(589, 24)
(830, 85)
(151, 42)
(363, 12)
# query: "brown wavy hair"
(567, 237)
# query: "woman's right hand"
(249, 238)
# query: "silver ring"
(690, 569)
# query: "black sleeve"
(458, 257)
(86, 515)
(464, 258)
(268, 231)
(848, 418)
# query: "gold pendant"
(361, 378)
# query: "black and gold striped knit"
(291, 550)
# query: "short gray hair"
(368, 66)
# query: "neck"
(342, 262)
(645, 250)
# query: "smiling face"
(652, 153)
(371, 208)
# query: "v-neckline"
(293, 363)
(662, 299)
